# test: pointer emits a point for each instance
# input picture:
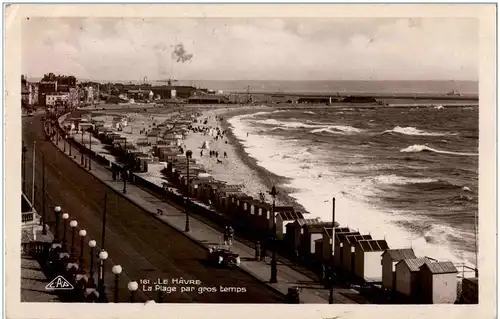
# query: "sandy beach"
(231, 169)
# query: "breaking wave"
(401, 180)
(337, 129)
(423, 148)
(413, 131)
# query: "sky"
(252, 49)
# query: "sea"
(407, 175)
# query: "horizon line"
(257, 80)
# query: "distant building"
(209, 99)
(56, 99)
(54, 85)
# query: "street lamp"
(73, 225)
(103, 255)
(124, 176)
(82, 234)
(90, 149)
(69, 144)
(92, 245)
(65, 217)
(189, 154)
(132, 287)
(57, 211)
(274, 266)
(81, 152)
(117, 270)
(24, 150)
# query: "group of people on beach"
(213, 153)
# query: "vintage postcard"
(201, 161)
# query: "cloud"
(268, 49)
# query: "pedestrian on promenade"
(226, 235)
(257, 251)
(263, 253)
(201, 153)
(225, 154)
(231, 235)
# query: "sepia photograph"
(251, 160)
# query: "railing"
(35, 248)
(27, 217)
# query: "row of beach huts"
(355, 255)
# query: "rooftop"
(328, 231)
(399, 254)
(352, 239)
(291, 215)
(414, 263)
(373, 245)
(441, 267)
(341, 236)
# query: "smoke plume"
(180, 54)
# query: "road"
(146, 248)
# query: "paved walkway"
(33, 280)
(203, 234)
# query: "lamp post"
(124, 176)
(132, 287)
(117, 270)
(81, 152)
(189, 154)
(90, 149)
(64, 143)
(274, 266)
(330, 298)
(69, 144)
(103, 255)
(82, 234)
(57, 212)
(65, 217)
(24, 150)
(92, 245)
(73, 225)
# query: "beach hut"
(339, 246)
(329, 241)
(390, 258)
(407, 276)
(318, 249)
(348, 248)
(311, 232)
(295, 231)
(367, 259)
(438, 282)
(284, 216)
(152, 138)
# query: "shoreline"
(239, 161)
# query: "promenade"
(206, 235)
(145, 247)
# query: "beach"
(385, 168)
(237, 168)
